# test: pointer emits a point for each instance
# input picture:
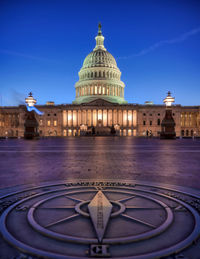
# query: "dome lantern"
(99, 40)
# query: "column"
(76, 118)
(92, 117)
(127, 118)
(107, 117)
(64, 118)
(118, 116)
(132, 118)
(81, 116)
(112, 117)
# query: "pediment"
(99, 102)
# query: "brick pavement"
(30, 162)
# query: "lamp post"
(168, 123)
(31, 124)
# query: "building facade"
(100, 105)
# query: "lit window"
(41, 122)
(48, 123)
(55, 123)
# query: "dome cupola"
(99, 76)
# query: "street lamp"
(169, 100)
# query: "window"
(158, 122)
(55, 114)
(41, 122)
(150, 123)
(48, 123)
(55, 123)
(48, 114)
(173, 114)
(144, 114)
(150, 114)
(158, 114)
(144, 122)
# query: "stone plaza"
(99, 197)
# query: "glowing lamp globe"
(169, 100)
(30, 101)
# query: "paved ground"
(167, 161)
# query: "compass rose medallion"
(70, 220)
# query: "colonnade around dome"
(99, 90)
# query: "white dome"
(99, 76)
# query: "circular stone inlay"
(100, 219)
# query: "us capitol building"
(99, 106)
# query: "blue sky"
(155, 42)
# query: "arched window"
(187, 133)
(182, 133)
